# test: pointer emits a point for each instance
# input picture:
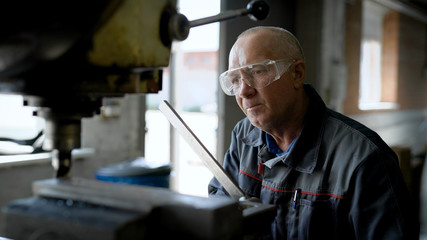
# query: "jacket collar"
(304, 154)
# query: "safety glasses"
(256, 75)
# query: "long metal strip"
(207, 158)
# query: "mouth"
(253, 107)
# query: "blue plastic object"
(136, 171)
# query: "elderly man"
(329, 176)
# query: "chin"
(256, 122)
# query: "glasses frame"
(229, 90)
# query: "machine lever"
(179, 26)
(256, 10)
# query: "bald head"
(279, 41)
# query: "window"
(370, 73)
(17, 123)
(376, 86)
(192, 91)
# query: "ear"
(298, 73)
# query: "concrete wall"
(117, 134)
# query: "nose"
(246, 90)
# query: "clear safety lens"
(257, 75)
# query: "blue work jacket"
(339, 180)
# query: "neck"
(285, 133)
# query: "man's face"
(272, 106)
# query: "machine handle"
(256, 10)
(179, 26)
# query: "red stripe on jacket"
(291, 191)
